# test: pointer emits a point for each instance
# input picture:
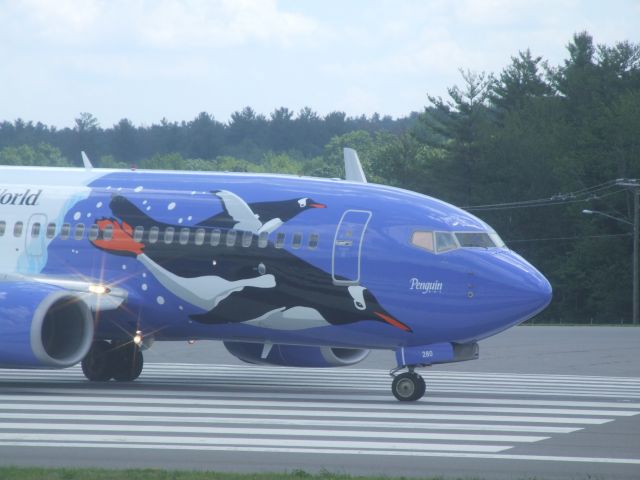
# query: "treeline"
(247, 135)
(526, 149)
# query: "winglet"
(86, 161)
(352, 167)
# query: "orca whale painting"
(262, 286)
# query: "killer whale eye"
(303, 202)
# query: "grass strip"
(30, 473)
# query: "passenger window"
(107, 233)
(35, 230)
(199, 238)
(79, 231)
(296, 242)
(65, 231)
(3, 227)
(445, 242)
(51, 230)
(214, 241)
(17, 229)
(168, 235)
(184, 236)
(94, 231)
(314, 238)
(263, 239)
(231, 238)
(247, 238)
(138, 233)
(280, 240)
(154, 234)
(423, 240)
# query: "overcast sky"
(145, 60)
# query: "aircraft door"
(347, 247)
(34, 235)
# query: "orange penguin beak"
(393, 322)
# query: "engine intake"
(43, 326)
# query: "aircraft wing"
(97, 296)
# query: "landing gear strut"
(408, 386)
(121, 361)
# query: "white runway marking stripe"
(194, 370)
(193, 440)
(257, 409)
(111, 390)
(314, 405)
(267, 432)
(393, 424)
(306, 413)
(199, 369)
(382, 386)
(455, 382)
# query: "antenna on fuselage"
(352, 167)
(85, 160)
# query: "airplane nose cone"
(539, 291)
(528, 290)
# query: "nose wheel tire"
(408, 387)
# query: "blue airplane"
(97, 264)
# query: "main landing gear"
(408, 386)
(121, 361)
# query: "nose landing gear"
(408, 386)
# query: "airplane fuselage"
(352, 268)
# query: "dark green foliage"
(535, 135)
(248, 135)
(533, 131)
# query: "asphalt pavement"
(544, 402)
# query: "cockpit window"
(441, 242)
(423, 240)
(445, 242)
(476, 239)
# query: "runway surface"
(222, 417)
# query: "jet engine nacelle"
(296, 356)
(42, 326)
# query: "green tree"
(205, 135)
(459, 126)
(125, 142)
(519, 83)
(42, 155)
(402, 161)
(281, 163)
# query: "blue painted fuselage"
(322, 262)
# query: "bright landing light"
(98, 289)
